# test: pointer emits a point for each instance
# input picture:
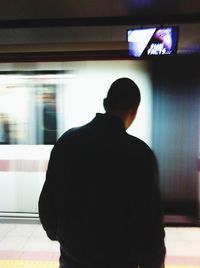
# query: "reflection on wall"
(36, 107)
(28, 106)
(85, 94)
(176, 134)
(39, 104)
(46, 115)
(5, 128)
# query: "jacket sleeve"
(152, 248)
(47, 205)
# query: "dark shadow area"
(175, 125)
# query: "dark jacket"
(101, 197)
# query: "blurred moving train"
(40, 101)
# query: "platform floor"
(27, 246)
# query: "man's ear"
(130, 117)
(133, 111)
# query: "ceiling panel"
(35, 9)
(50, 21)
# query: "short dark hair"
(122, 95)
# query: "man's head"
(123, 99)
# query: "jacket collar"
(110, 121)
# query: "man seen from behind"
(101, 198)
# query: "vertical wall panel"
(175, 133)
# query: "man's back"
(106, 204)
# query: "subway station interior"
(57, 61)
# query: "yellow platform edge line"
(28, 264)
(55, 264)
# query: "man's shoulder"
(73, 133)
(139, 144)
(69, 134)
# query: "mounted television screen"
(152, 41)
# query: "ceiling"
(51, 14)
(51, 9)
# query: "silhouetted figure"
(101, 198)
